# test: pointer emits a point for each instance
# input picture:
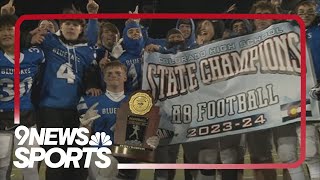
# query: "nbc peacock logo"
(100, 139)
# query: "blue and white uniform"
(64, 72)
(30, 59)
(107, 109)
(132, 58)
(191, 40)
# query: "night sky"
(122, 6)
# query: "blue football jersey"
(64, 71)
(134, 72)
(313, 42)
(30, 59)
(132, 58)
(107, 109)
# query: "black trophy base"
(135, 153)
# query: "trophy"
(137, 120)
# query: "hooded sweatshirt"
(64, 71)
(247, 26)
(173, 47)
(191, 41)
(132, 58)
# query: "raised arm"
(92, 29)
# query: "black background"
(157, 29)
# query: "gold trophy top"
(140, 103)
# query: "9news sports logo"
(68, 136)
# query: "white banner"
(230, 87)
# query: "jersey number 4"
(65, 72)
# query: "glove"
(153, 141)
(117, 49)
(315, 92)
(90, 116)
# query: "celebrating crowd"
(76, 73)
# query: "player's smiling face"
(108, 37)
(115, 76)
(186, 30)
(307, 14)
(206, 31)
(134, 33)
(6, 37)
(71, 30)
